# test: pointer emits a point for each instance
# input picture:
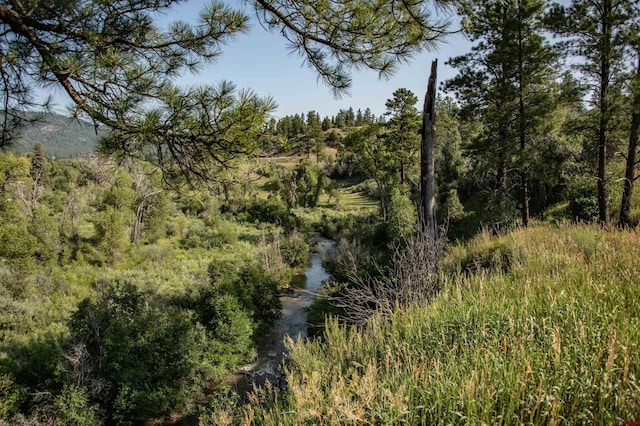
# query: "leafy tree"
(373, 157)
(597, 32)
(110, 234)
(302, 185)
(44, 227)
(118, 66)
(254, 288)
(149, 203)
(136, 360)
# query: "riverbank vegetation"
(533, 325)
(123, 300)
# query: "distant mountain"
(60, 136)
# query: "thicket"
(121, 300)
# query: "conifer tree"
(503, 82)
(404, 126)
(118, 67)
(597, 32)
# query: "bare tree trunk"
(136, 231)
(427, 163)
(632, 163)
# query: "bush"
(17, 246)
(228, 326)
(557, 213)
(199, 235)
(452, 207)
(73, 407)
(295, 249)
(484, 252)
(271, 210)
(411, 278)
(583, 199)
(401, 218)
(135, 359)
(11, 396)
(256, 290)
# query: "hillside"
(537, 326)
(60, 136)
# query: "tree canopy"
(118, 66)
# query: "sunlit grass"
(357, 201)
(546, 332)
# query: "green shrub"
(146, 359)
(199, 235)
(483, 253)
(17, 246)
(452, 207)
(11, 396)
(557, 213)
(73, 407)
(583, 200)
(401, 216)
(295, 249)
(228, 325)
(271, 210)
(256, 290)
(223, 272)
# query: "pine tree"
(404, 126)
(119, 67)
(632, 160)
(503, 83)
(597, 32)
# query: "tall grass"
(546, 333)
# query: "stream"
(272, 352)
(293, 322)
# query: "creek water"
(293, 322)
(272, 352)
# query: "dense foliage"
(534, 326)
(122, 300)
(127, 295)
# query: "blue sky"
(261, 61)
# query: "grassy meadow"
(534, 326)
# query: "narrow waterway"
(293, 322)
